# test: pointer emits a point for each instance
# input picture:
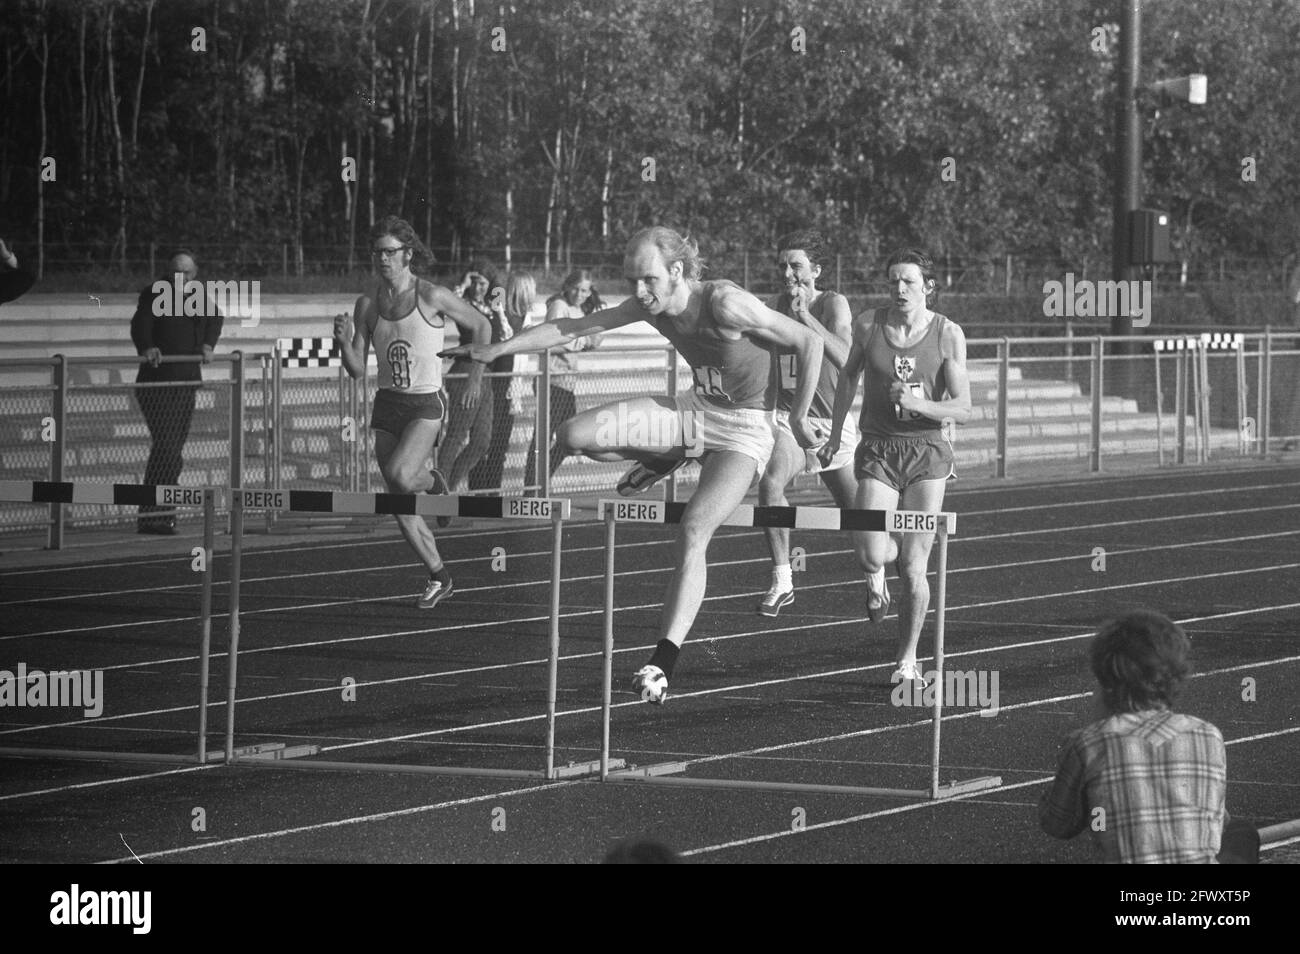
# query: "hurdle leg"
(1160, 422)
(554, 665)
(940, 606)
(608, 679)
(205, 622)
(232, 664)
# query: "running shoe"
(641, 478)
(651, 684)
(439, 487)
(909, 671)
(434, 592)
(877, 596)
(774, 600)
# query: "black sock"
(441, 575)
(665, 656)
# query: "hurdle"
(1192, 369)
(801, 518)
(353, 402)
(554, 509)
(134, 495)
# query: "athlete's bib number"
(918, 390)
(399, 361)
(789, 365)
(708, 382)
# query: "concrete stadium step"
(1222, 442)
(1027, 390)
(1021, 429)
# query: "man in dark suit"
(168, 408)
(14, 281)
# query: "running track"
(800, 698)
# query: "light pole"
(1128, 151)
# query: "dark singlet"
(788, 364)
(919, 366)
(728, 373)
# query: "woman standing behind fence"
(404, 319)
(469, 436)
(510, 307)
(577, 297)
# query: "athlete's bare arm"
(353, 350)
(837, 333)
(845, 391)
(738, 310)
(552, 333)
(470, 321)
(956, 406)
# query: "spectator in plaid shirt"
(1159, 776)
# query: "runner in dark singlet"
(727, 336)
(916, 389)
(826, 313)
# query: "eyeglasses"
(384, 253)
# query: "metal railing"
(1057, 405)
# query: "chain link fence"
(1041, 406)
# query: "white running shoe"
(651, 683)
(641, 478)
(774, 600)
(434, 592)
(909, 671)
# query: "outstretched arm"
(552, 333)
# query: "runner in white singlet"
(404, 320)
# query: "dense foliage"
(538, 123)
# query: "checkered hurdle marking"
(1213, 341)
(554, 509)
(135, 495)
(806, 518)
(309, 353)
(1192, 374)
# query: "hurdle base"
(583, 769)
(969, 785)
(274, 750)
(653, 770)
(91, 755)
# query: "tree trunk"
(40, 178)
(349, 206)
(604, 196)
(139, 81)
(83, 146)
(370, 136)
(555, 191)
(116, 129)
(411, 117)
(428, 131)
